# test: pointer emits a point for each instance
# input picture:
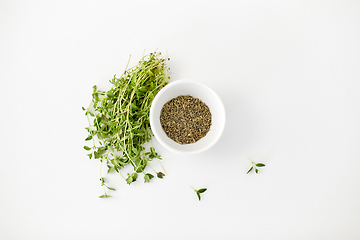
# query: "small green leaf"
(139, 94)
(129, 180)
(83, 108)
(110, 94)
(88, 138)
(110, 169)
(139, 169)
(97, 121)
(110, 188)
(101, 150)
(146, 178)
(201, 190)
(135, 150)
(133, 106)
(150, 175)
(250, 170)
(160, 175)
(90, 155)
(105, 196)
(260, 165)
(256, 170)
(111, 124)
(87, 148)
(198, 194)
(143, 89)
(96, 155)
(153, 154)
(102, 180)
(134, 176)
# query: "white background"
(288, 73)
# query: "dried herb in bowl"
(185, 119)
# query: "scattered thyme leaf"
(105, 196)
(260, 165)
(202, 190)
(160, 175)
(199, 191)
(198, 194)
(255, 166)
(250, 169)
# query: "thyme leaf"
(255, 166)
(199, 191)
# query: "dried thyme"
(185, 119)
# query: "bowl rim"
(155, 131)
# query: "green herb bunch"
(119, 126)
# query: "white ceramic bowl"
(197, 90)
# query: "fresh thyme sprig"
(119, 125)
(255, 166)
(198, 192)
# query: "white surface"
(287, 72)
(195, 89)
